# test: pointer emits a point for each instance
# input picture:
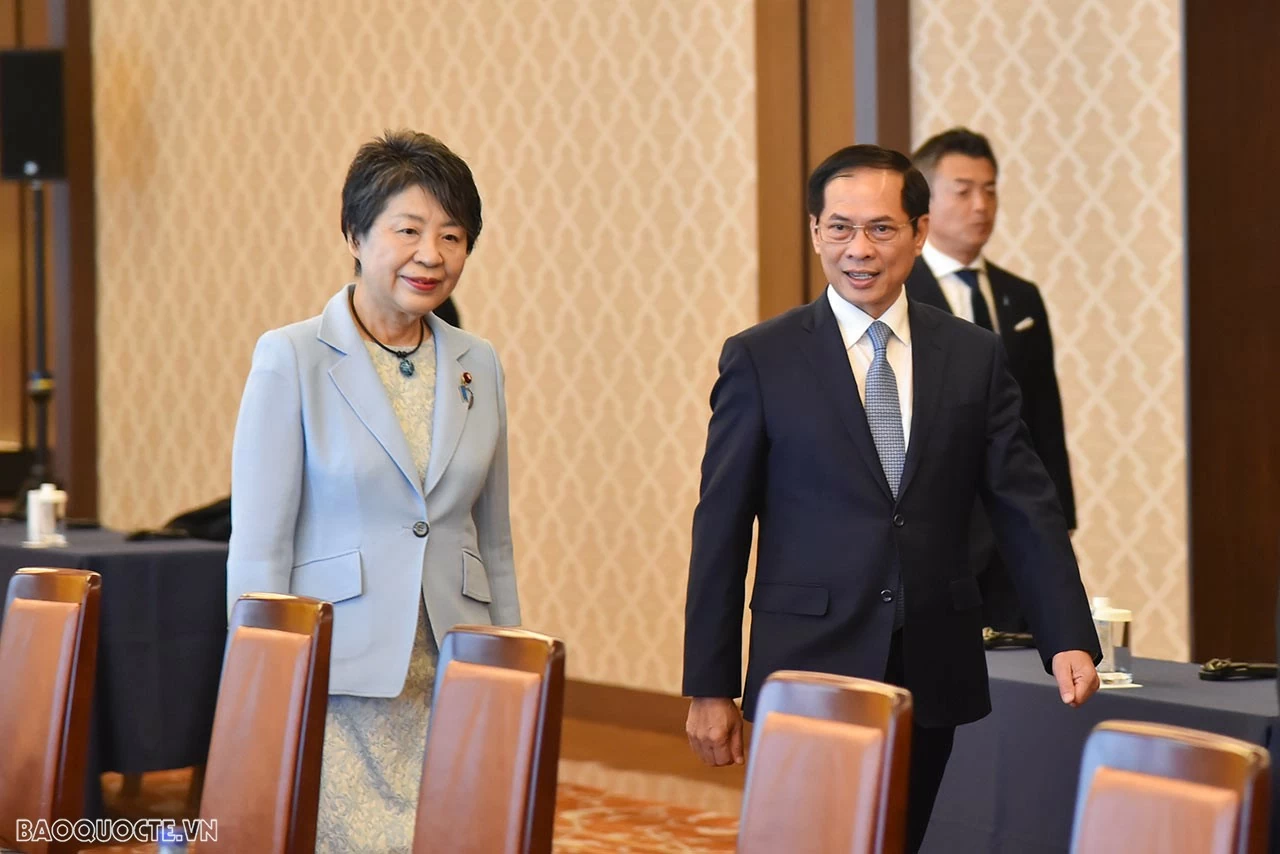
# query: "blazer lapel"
(450, 407)
(358, 382)
(826, 353)
(928, 366)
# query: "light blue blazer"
(326, 501)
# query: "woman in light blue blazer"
(370, 470)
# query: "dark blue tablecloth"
(1011, 785)
(163, 631)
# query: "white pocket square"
(1024, 324)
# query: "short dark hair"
(397, 161)
(915, 189)
(957, 140)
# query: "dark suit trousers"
(930, 750)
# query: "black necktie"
(981, 314)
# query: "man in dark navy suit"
(857, 432)
(952, 274)
(448, 312)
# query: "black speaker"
(32, 124)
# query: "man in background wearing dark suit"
(858, 432)
(952, 274)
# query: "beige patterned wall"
(1082, 100)
(614, 146)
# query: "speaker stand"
(40, 381)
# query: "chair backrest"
(48, 662)
(493, 744)
(262, 779)
(828, 766)
(1155, 788)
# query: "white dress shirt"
(854, 323)
(944, 269)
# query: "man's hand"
(1077, 678)
(714, 728)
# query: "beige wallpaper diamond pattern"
(1082, 100)
(614, 146)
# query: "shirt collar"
(942, 264)
(854, 322)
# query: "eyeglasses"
(839, 231)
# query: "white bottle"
(46, 516)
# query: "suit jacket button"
(898, 521)
(886, 595)
(421, 529)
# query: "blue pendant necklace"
(406, 364)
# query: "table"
(1011, 785)
(162, 634)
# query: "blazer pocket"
(790, 599)
(331, 579)
(475, 583)
(965, 594)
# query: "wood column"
(829, 73)
(1233, 350)
(71, 273)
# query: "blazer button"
(886, 595)
(421, 529)
(898, 521)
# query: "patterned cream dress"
(373, 746)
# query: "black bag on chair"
(210, 522)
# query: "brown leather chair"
(48, 660)
(262, 779)
(828, 766)
(1151, 789)
(493, 744)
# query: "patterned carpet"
(588, 820)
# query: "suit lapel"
(928, 366)
(450, 408)
(922, 286)
(825, 350)
(358, 382)
(1004, 308)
